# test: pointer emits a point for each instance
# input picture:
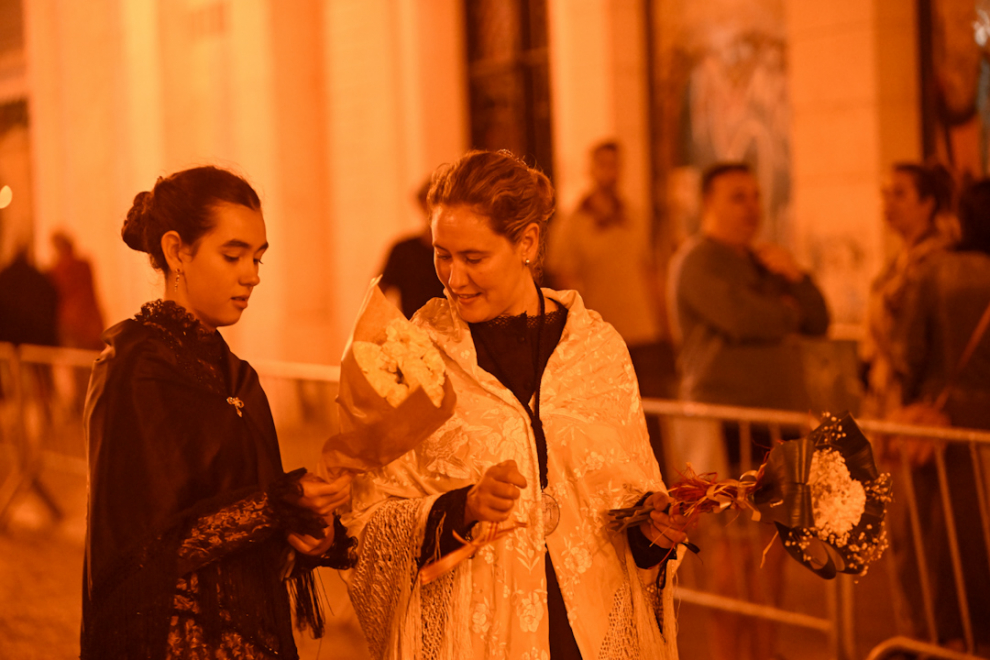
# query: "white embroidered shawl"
(495, 604)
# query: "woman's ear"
(529, 242)
(172, 248)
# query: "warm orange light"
(6, 195)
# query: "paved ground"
(41, 564)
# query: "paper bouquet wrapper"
(373, 432)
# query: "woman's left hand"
(322, 497)
(309, 545)
(663, 529)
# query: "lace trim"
(436, 599)
(521, 321)
(174, 318)
(188, 641)
(622, 641)
(216, 535)
(198, 351)
(385, 573)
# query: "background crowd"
(725, 323)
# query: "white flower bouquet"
(823, 492)
(394, 391)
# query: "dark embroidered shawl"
(170, 457)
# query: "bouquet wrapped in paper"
(823, 492)
(394, 391)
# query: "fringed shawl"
(495, 604)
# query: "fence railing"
(33, 378)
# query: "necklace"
(551, 510)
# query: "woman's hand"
(308, 545)
(322, 497)
(492, 498)
(664, 530)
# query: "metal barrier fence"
(38, 383)
(838, 625)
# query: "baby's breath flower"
(407, 360)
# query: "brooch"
(237, 403)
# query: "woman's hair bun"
(136, 222)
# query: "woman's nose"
(457, 277)
(253, 277)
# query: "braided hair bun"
(136, 223)
(182, 202)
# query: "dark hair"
(713, 172)
(974, 217)
(933, 183)
(182, 202)
(500, 187)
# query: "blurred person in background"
(193, 528)
(28, 315)
(409, 279)
(943, 369)
(80, 322)
(548, 429)
(603, 253)
(914, 196)
(736, 304)
(736, 308)
(28, 304)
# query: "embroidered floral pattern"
(226, 530)
(599, 458)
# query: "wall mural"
(955, 48)
(720, 93)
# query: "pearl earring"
(177, 279)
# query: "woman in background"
(914, 197)
(548, 430)
(193, 527)
(946, 379)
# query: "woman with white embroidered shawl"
(548, 434)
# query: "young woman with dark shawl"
(548, 430)
(194, 529)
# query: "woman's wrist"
(470, 514)
(655, 536)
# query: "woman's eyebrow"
(237, 243)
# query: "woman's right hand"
(492, 498)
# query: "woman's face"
(484, 272)
(904, 210)
(221, 270)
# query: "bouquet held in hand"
(823, 492)
(394, 391)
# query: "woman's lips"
(241, 301)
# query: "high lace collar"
(520, 320)
(173, 318)
(199, 352)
